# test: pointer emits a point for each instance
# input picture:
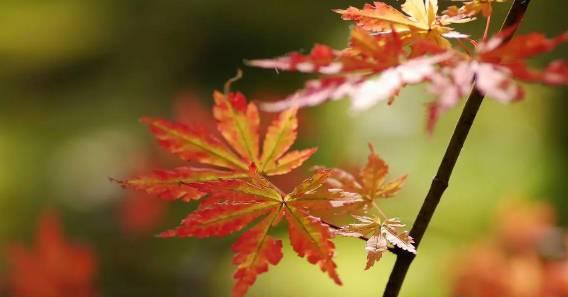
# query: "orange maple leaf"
(55, 268)
(418, 19)
(358, 195)
(361, 193)
(238, 123)
(469, 9)
(231, 205)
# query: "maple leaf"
(379, 235)
(372, 69)
(495, 69)
(361, 193)
(55, 268)
(231, 205)
(238, 123)
(401, 239)
(418, 19)
(321, 59)
(346, 193)
(469, 9)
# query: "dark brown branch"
(442, 178)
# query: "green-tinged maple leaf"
(231, 205)
(360, 193)
(238, 123)
(379, 235)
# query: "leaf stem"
(442, 178)
(380, 211)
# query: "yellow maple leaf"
(418, 19)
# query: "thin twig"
(442, 178)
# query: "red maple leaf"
(495, 70)
(236, 197)
(231, 205)
(238, 122)
(55, 268)
(374, 68)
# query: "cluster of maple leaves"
(390, 49)
(230, 177)
(230, 173)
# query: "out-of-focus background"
(76, 75)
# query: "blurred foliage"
(77, 74)
(522, 255)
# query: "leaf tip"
(371, 148)
(166, 234)
(147, 120)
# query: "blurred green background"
(76, 75)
